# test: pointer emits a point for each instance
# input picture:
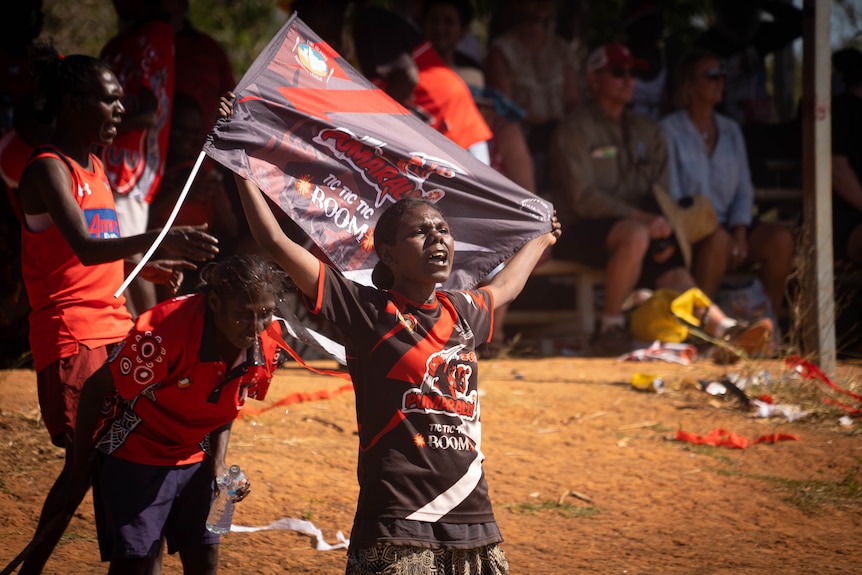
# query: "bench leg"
(585, 302)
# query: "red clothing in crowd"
(142, 59)
(447, 99)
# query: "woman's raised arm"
(300, 264)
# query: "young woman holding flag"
(423, 498)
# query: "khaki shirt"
(600, 173)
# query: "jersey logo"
(102, 223)
(86, 189)
(445, 386)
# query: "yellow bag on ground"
(658, 318)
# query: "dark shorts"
(138, 505)
(59, 385)
(586, 242)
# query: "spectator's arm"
(219, 439)
(498, 75)
(845, 182)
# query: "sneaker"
(613, 342)
(753, 339)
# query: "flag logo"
(313, 61)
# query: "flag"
(332, 151)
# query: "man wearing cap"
(607, 161)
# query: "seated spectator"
(408, 68)
(707, 156)
(847, 159)
(538, 70)
(607, 161)
(743, 39)
(533, 66)
(445, 23)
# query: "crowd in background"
(625, 137)
(505, 95)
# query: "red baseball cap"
(613, 55)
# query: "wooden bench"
(583, 317)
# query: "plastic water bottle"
(221, 512)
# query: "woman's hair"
(242, 275)
(65, 75)
(686, 73)
(385, 232)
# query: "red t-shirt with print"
(175, 387)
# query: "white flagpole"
(166, 227)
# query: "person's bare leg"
(200, 560)
(627, 244)
(56, 514)
(680, 280)
(772, 246)
(710, 261)
(753, 339)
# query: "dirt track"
(583, 472)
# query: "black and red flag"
(332, 151)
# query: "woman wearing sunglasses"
(707, 155)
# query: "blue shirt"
(723, 177)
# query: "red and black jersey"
(175, 387)
(415, 372)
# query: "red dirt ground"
(583, 470)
